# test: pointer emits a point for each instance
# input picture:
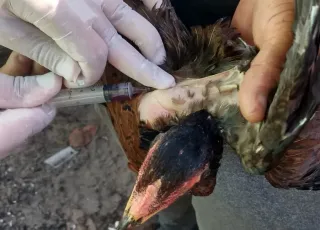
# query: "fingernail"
(167, 81)
(80, 81)
(173, 83)
(48, 109)
(262, 101)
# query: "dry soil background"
(87, 192)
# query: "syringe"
(95, 95)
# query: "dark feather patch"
(182, 151)
(200, 51)
(4, 55)
(147, 136)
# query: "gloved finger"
(135, 27)
(16, 125)
(128, 60)
(17, 65)
(261, 77)
(152, 3)
(145, 71)
(31, 91)
(27, 40)
(69, 24)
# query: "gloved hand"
(19, 94)
(268, 25)
(75, 38)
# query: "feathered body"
(209, 64)
(194, 54)
(206, 51)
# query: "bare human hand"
(268, 25)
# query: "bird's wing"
(300, 166)
(296, 97)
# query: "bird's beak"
(145, 204)
(126, 222)
(141, 206)
(129, 219)
(166, 174)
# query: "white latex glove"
(75, 38)
(22, 96)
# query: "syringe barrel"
(81, 96)
(118, 92)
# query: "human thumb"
(262, 76)
(16, 125)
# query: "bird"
(174, 138)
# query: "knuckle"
(110, 36)
(115, 10)
(119, 12)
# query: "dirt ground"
(87, 192)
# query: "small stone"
(71, 226)
(82, 137)
(90, 225)
(77, 215)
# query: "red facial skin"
(145, 204)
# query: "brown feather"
(300, 165)
(125, 119)
(198, 52)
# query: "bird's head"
(183, 159)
